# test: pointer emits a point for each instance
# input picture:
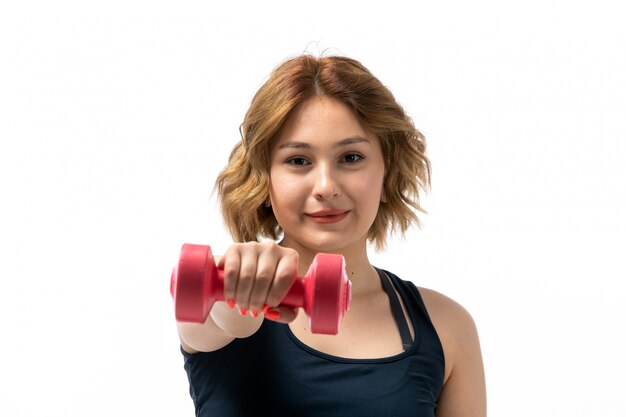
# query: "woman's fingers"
(265, 272)
(281, 314)
(230, 263)
(247, 277)
(284, 276)
(258, 276)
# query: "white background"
(115, 118)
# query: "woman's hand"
(257, 277)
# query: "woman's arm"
(221, 327)
(464, 391)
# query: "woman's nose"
(325, 186)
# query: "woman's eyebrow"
(294, 144)
(352, 140)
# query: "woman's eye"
(297, 161)
(352, 157)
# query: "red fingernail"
(254, 313)
(243, 311)
(272, 314)
(231, 303)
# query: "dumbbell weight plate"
(193, 295)
(329, 298)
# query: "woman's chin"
(326, 243)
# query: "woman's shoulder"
(455, 326)
(439, 306)
(445, 308)
(445, 312)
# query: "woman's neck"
(360, 271)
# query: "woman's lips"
(328, 216)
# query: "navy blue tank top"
(274, 373)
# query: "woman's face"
(326, 178)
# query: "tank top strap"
(396, 310)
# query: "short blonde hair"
(243, 186)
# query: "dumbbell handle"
(204, 281)
(295, 296)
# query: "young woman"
(327, 162)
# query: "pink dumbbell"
(324, 292)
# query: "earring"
(267, 202)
